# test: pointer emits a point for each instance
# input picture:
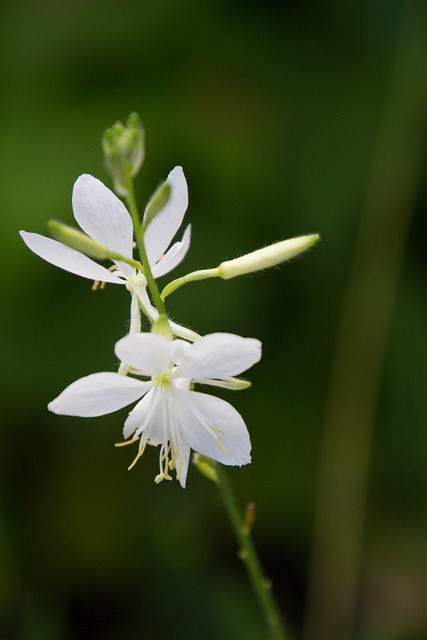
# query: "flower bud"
(124, 151)
(77, 240)
(157, 202)
(266, 257)
(206, 466)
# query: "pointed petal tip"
(53, 406)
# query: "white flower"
(103, 217)
(169, 414)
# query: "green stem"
(260, 583)
(201, 274)
(133, 208)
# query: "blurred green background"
(288, 118)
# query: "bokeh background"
(288, 118)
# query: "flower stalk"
(258, 260)
(139, 234)
(247, 553)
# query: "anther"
(99, 284)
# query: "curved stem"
(260, 583)
(133, 208)
(201, 274)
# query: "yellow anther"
(160, 477)
(126, 442)
(99, 284)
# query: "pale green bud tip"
(77, 240)
(157, 203)
(161, 327)
(267, 257)
(206, 466)
(124, 151)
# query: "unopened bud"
(267, 257)
(77, 240)
(206, 466)
(157, 202)
(124, 151)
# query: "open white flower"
(169, 414)
(103, 217)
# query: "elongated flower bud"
(77, 240)
(124, 151)
(157, 202)
(266, 257)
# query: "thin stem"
(133, 208)
(260, 583)
(201, 274)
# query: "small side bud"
(124, 151)
(248, 517)
(161, 327)
(77, 240)
(267, 257)
(206, 466)
(157, 202)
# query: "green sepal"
(158, 201)
(77, 240)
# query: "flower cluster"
(160, 368)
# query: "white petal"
(66, 258)
(102, 215)
(147, 352)
(174, 256)
(98, 394)
(138, 416)
(179, 349)
(182, 462)
(218, 355)
(164, 226)
(213, 427)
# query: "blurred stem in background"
(362, 337)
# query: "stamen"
(126, 442)
(99, 284)
(160, 477)
(178, 473)
(173, 459)
(137, 457)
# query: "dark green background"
(274, 111)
